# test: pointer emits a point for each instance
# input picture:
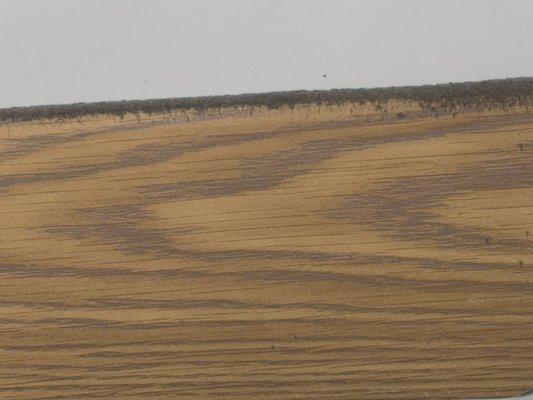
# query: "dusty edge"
(451, 97)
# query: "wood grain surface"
(314, 252)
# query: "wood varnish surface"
(274, 254)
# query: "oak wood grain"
(316, 252)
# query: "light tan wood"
(314, 253)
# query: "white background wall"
(62, 51)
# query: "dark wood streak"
(304, 254)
